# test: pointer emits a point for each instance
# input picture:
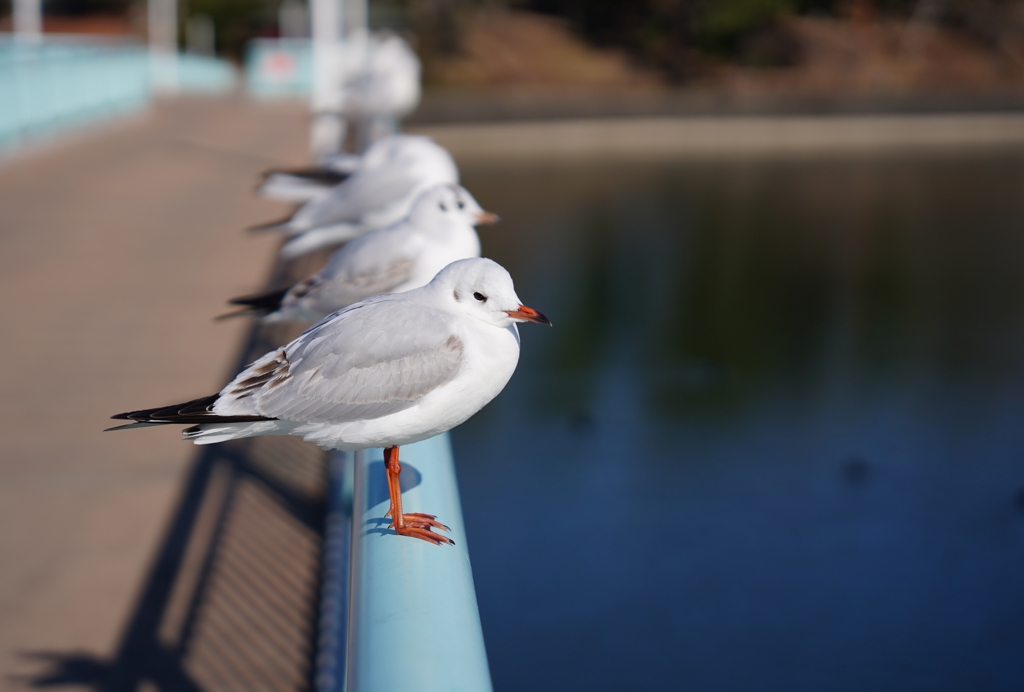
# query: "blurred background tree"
(671, 34)
(668, 41)
(236, 21)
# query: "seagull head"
(481, 288)
(445, 205)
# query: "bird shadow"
(236, 573)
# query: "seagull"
(393, 173)
(406, 255)
(385, 372)
(303, 184)
(388, 85)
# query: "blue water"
(776, 437)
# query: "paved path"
(116, 249)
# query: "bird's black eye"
(480, 296)
(462, 205)
(443, 208)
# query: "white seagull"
(388, 371)
(393, 173)
(438, 231)
(388, 85)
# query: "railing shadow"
(230, 600)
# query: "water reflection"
(774, 440)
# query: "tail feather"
(195, 412)
(211, 433)
(288, 189)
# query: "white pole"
(163, 44)
(356, 19)
(28, 20)
(357, 35)
(327, 131)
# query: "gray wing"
(342, 290)
(368, 266)
(373, 359)
(366, 191)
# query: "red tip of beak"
(528, 315)
(487, 217)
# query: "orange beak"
(487, 217)
(529, 315)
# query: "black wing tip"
(195, 412)
(263, 302)
(324, 176)
(136, 424)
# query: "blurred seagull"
(438, 231)
(388, 371)
(393, 173)
(388, 85)
(382, 85)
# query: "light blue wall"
(65, 82)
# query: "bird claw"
(419, 525)
(424, 534)
(419, 519)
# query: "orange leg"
(414, 524)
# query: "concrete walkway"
(116, 249)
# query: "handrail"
(412, 618)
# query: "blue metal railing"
(60, 85)
(410, 623)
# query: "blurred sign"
(279, 67)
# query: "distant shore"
(707, 137)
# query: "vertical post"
(333, 626)
(163, 44)
(357, 36)
(327, 130)
(28, 20)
